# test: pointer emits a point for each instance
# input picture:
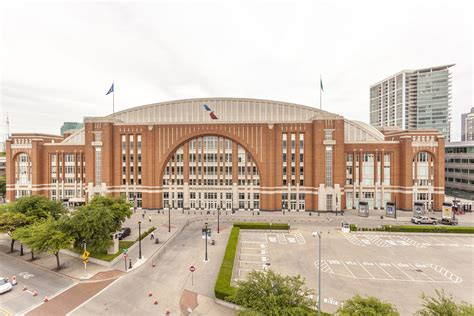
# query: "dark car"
(449, 221)
(124, 232)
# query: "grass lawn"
(103, 255)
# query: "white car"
(424, 220)
(5, 285)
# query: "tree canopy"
(268, 293)
(11, 221)
(366, 306)
(95, 222)
(3, 186)
(444, 305)
(38, 207)
(44, 236)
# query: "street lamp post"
(218, 219)
(205, 231)
(139, 240)
(318, 233)
(169, 216)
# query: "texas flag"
(212, 113)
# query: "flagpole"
(320, 93)
(113, 98)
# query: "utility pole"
(206, 233)
(139, 240)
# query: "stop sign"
(192, 268)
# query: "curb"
(414, 234)
(41, 267)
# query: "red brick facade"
(262, 141)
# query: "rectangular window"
(98, 166)
(386, 169)
(328, 166)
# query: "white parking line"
(348, 269)
(366, 270)
(396, 266)
(384, 271)
(426, 275)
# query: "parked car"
(449, 221)
(424, 220)
(124, 232)
(5, 285)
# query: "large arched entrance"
(211, 173)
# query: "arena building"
(231, 153)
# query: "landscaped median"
(223, 288)
(123, 244)
(417, 229)
(275, 226)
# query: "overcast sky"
(59, 59)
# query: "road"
(166, 282)
(44, 282)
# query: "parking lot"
(395, 267)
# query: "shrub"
(275, 226)
(146, 233)
(222, 288)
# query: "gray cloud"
(59, 58)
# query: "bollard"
(130, 263)
(45, 299)
(150, 294)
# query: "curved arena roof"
(228, 110)
(233, 110)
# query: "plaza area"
(395, 267)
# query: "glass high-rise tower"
(414, 99)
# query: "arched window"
(23, 172)
(200, 175)
(423, 169)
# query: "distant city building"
(413, 99)
(67, 126)
(459, 169)
(467, 126)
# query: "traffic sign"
(85, 260)
(192, 268)
(85, 254)
(124, 250)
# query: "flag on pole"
(111, 89)
(321, 84)
(212, 113)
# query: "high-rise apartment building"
(467, 126)
(70, 126)
(413, 99)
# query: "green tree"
(45, 236)
(366, 306)
(3, 186)
(268, 293)
(444, 305)
(11, 221)
(39, 207)
(95, 222)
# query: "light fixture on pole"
(206, 232)
(318, 233)
(139, 240)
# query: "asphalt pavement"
(35, 279)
